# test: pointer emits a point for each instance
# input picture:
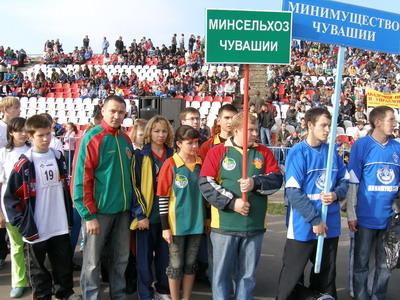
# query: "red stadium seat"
(188, 98)
(228, 99)
(208, 99)
(179, 96)
(66, 85)
(50, 95)
(198, 98)
(58, 85)
(217, 99)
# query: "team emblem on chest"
(385, 174)
(257, 163)
(181, 181)
(228, 164)
(320, 181)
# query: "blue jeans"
(76, 229)
(114, 229)
(363, 242)
(265, 134)
(243, 250)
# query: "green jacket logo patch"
(181, 181)
(228, 164)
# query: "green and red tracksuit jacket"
(104, 177)
(218, 183)
(20, 195)
(205, 147)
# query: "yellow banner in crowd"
(375, 98)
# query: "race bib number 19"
(48, 173)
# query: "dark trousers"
(59, 251)
(3, 244)
(151, 247)
(295, 258)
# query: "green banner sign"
(248, 36)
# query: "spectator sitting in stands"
(33, 91)
(84, 92)
(104, 81)
(202, 89)
(93, 93)
(54, 75)
(97, 108)
(360, 129)
(291, 116)
(102, 92)
(87, 56)
(5, 89)
(124, 79)
(63, 77)
(118, 91)
(9, 76)
(359, 115)
(282, 135)
(115, 79)
(346, 110)
(18, 79)
(323, 103)
(71, 77)
(229, 88)
(294, 139)
(233, 74)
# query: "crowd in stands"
(173, 71)
(140, 69)
(13, 58)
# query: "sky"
(28, 24)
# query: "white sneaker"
(158, 296)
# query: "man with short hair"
(257, 101)
(374, 176)
(103, 193)
(119, 45)
(238, 226)
(304, 193)
(224, 120)
(282, 135)
(86, 42)
(105, 46)
(267, 121)
(191, 116)
(173, 44)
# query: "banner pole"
(331, 152)
(245, 124)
